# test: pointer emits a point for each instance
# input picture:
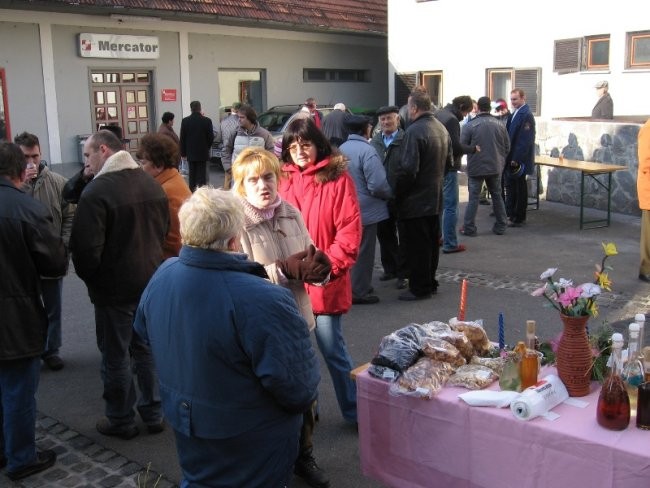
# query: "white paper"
(488, 398)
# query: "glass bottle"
(633, 374)
(613, 410)
(509, 379)
(646, 362)
(640, 319)
(528, 365)
(530, 334)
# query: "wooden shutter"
(529, 80)
(404, 84)
(567, 55)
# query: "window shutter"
(529, 81)
(567, 55)
(404, 84)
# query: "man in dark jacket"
(417, 184)
(30, 248)
(117, 244)
(485, 166)
(521, 158)
(604, 108)
(236, 365)
(196, 141)
(450, 116)
(388, 144)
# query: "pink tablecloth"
(408, 442)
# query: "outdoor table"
(588, 169)
(408, 442)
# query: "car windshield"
(274, 119)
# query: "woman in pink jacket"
(317, 183)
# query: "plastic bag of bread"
(434, 328)
(424, 379)
(460, 340)
(475, 333)
(473, 377)
(495, 364)
(382, 372)
(399, 349)
(442, 351)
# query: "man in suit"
(521, 158)
(196, 141)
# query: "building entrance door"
(123, 98)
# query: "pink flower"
(555, 342)
(539, 292)
(569, 295)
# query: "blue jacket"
(369, 175)
(522, 139)
(232, 351)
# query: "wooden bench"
(588, 169)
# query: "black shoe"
(387, 277)
(156, 428)
(408, 296)
(3, 461)
(308, 470)
(44, 460)
(402, 283)
(365, 300)
(125, 432)
(55, 363)
(644, 277)
(515, 224)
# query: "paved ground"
(501, 270)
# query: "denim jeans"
(18, 384)
(331, 343)
(120, 347)
(52, 300)
(474, 184)
(450, 211)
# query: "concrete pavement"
(501, 271)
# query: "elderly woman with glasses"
(318, 184)
(233, 354)
(159, 155)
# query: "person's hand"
(87, 174)
(310, 266)
(322, 268)
(292, 266)
(477, 148)
(31, 172)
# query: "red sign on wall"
(168, 95)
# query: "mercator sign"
(118, 47)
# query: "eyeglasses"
(305, 146)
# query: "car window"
(273, 121)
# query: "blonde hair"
(253, 160)
(210, 218)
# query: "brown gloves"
(310, 266)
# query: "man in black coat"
(196, 140)
(30, 248)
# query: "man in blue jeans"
(30, 248)
(116, 243)
(450, 116)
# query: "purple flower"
(569, 295)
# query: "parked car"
(277, 118)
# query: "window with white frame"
(501, 81)
(638, 50)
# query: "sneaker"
(365, 300)
(44, 460)
(307, 469)
(55, 363)
(402, 283)
(126, 432)
(156, 428)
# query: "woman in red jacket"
(318, 184)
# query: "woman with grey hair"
(236, 366)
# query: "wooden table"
(407, 442)
(587, 169)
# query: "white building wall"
(465, 37)
(191, 55)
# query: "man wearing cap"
(521, 158)
(388, 144)
(373, 191)
(604, 108)
(485, 166)
(334, 127)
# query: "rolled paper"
(463, 300)
(502, 333)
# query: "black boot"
(309, 471)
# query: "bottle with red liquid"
(613, 410)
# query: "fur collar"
(117, 162)
(325, 170)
